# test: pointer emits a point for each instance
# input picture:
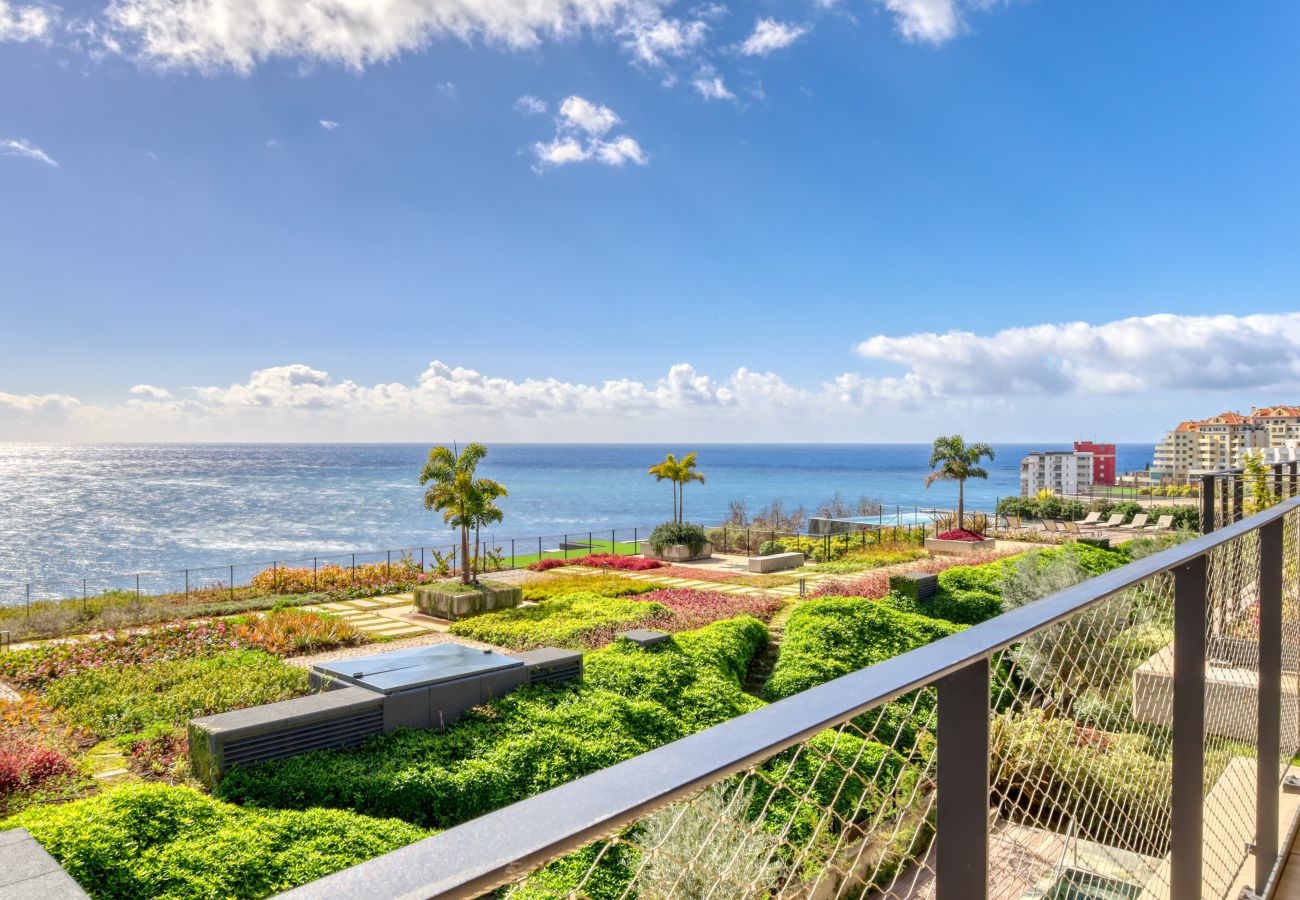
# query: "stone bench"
(775, 562)
(29, 873)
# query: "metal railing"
(1131, 731)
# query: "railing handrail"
(476, 856)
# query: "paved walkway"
(390, 616)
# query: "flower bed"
(27, 767)
(359, 580)
(959, 534)
(599, 561)
(545, 565)
(702, 574)
(874, 585)
(605, 585)
(692, 609)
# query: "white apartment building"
(1059, 471)
(1211, 445)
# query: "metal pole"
(275, 577)
(187, 586)
(83, 592)
(29, 601)
(354, 565)
(388, 566)
(1189, 729)
(564, 546)
(232, 582)
(539, 548)
(613, 542)
(1207, 504)
(961, 828)
(137, 587)
(512, 553)
(1238, 496)
(1269, 695)
(1277, 480)
(313, 569)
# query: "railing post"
(512, 553)
(1189, 728)
(1269, 737)
(1277, 481)
(962, 824)
(1207, 504)
(1238, 497)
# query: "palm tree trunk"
(681, 507)
(464, 554)
(961, 503)
(478, 545)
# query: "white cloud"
(770, 35)
(593, 118)
(274, 142)
(580, 136)
(240, 34)
(24, 23)
(530, 105)
(653, 42)
(932, 21)
(447, 89)
(149, 392)
(26, 150)
(1146, 372)
(328, 124)
(1150, 353)
(709, 84)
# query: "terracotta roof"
(1277, 411)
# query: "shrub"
(26, 766)
(686, 533)
(36, 666)
(770, 548)
(876, 584)
(369, 578)
(603, 585)
(689, 609)
(872, 557)
(111, 702)
(615, 561)
(833, 636)
(960, 534)
(550, 562)
(631, 700)
(574, 620)
(173, 842)
(289, 631)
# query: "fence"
(1127, 736)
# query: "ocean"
(85, 511)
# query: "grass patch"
(555, 586)
(574, 620)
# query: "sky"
(533, 220)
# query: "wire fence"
(1126, 737)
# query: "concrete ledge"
(29, 873)
(676, 552)
(453, 605)
(775, 562)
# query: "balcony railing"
(1131, 733)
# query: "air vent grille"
(323, 735)
(555, 674)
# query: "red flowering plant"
(960, 534)
(614, 561)
(27, 766)
(694, 609)
(550, 562)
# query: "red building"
(1103, 460)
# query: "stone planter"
(677, 553)
(775, 562)
(459, 604)
(959, 548)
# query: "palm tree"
(464, 501)
(954, 460)
(685, 475)
(484, 512)
(668, 469)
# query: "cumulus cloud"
(1148, 353)
(941, 381)
(149, 392)
(26, 150)
(709, 84)
(581, 130)
(655, 41)
(769, 35)
(24, 23)
(932, 21)
(447, 89)
(530, 105)
(328, 124)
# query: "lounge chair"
(1013, 523)
(1071, 528)
(1164, 523)
(1052, 526)
(1115, 520)
(1138, 524)
(1093, 518)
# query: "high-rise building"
(1211, 445)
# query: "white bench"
(775, 562)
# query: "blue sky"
(179, 220)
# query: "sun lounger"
(1093, 518)
(1114, 521)
(1164, 523)
(1051, 525)
(1071, 528)
(1138, 524)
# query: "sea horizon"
(94, 509)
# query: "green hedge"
(631, 700)
(173, 842)
(115, 701)
(1187, 516)
(568, 621)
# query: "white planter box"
(959, 548)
